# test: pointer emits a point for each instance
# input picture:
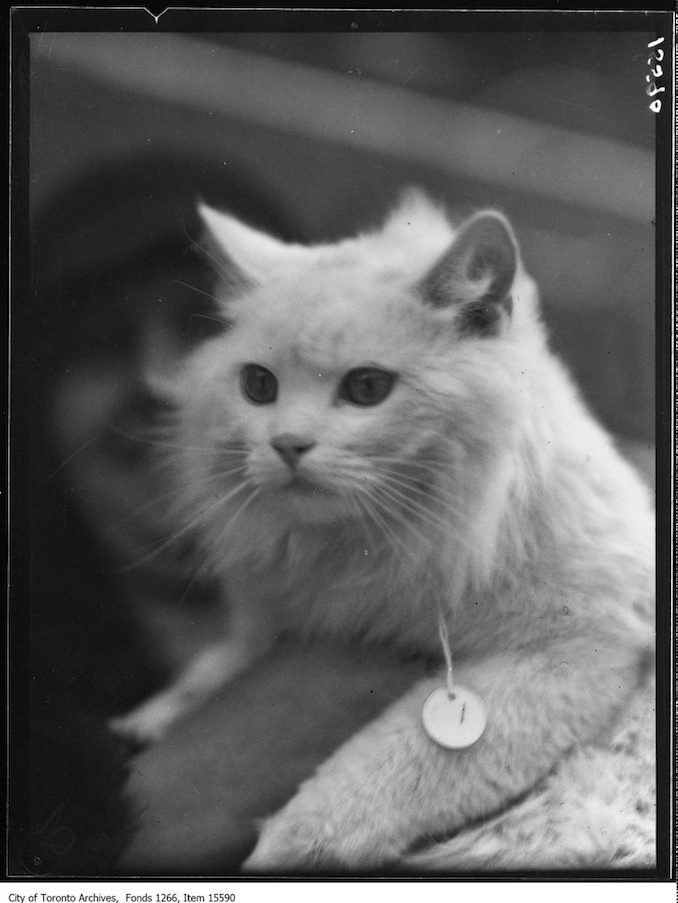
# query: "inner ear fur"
(475, 275)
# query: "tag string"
(445, 643)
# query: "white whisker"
(428, 465)
(180, 490)
(191, 525)
(406, 504)
(414, 485)
(74, 454)
(162, 443)
(221, 537)
(380, 515)
(394, 513)
(200, 291)
(207, 549)
(423, 515)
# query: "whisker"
(414, 482)
(424, 515)
(68, 460)
(405, 503)
(400, 492)
(409, 526)
(412, 485)
(200, 571)
(149, 440)
(216, 450)
(428, 464)
(358, 507)
(366, 510)
(433, 493)
(236, 514)
(200, 291)
(196, 316)
(178, 491)
(186, 528)
(203, 251)
(382, 522)
(204, 567)
(416, 472)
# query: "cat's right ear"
(474, 278)
(244, 255)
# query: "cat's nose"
(291, 447)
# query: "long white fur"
(500, 499)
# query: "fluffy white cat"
(381, 434)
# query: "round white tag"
(454, 721)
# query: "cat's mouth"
(302, 501)
(302, 486)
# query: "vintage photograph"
(333, 442)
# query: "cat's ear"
(473, 279)
(244, 254)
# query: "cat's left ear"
(240, 248)
(474, 277)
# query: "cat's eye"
(366, 385)
(258, 384)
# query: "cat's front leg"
(250, 635)
(391, 786)
(212, 668)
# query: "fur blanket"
(200, 792)
(596, 811)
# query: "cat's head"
(366, 378)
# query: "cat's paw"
(149, 722)
(280, 850)
(290, 843)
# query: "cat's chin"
(303, 502)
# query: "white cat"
(381, 434)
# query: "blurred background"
(311, 136)
(320, 130)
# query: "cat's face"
(317, 383)
(324, 394)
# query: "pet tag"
(454, 719)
